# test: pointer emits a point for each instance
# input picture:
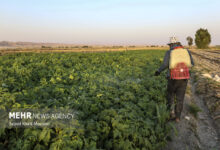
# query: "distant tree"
(85, 46)
(46, 47)
(189, 40)
(202, 38)
(117, 46)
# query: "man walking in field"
(178, 60)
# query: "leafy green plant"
(194, 109)
(120, 104)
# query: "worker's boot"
(177, 120)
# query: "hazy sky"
(122, 22)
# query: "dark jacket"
(166, 61)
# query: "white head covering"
(173, 40)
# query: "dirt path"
(208, 133)
(194, 134)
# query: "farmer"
(178, 60)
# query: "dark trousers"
(176, 88)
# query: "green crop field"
(121, 105)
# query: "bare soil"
(207, 60)
(208, 88)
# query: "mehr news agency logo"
(22, 119)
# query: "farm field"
(109, 75)
(120, 104)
